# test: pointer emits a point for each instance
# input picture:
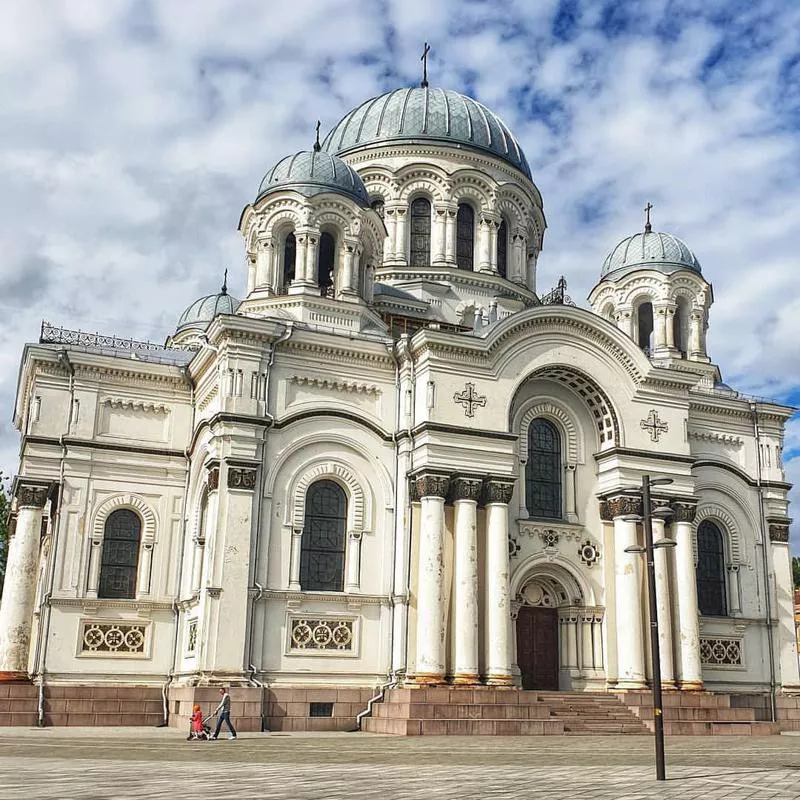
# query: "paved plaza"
(91, 763)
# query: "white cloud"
(132, 132)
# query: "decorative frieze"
(191, 637)
(32, 496)
(720, 651)
(112, 638)
(413, 491)
(213, 477)
(621, 506)
(333, 635)
(242, 478)
(432, 485)
(684, 511)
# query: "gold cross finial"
(647, 226)
(424, 61)
(225, 283)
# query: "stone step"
(684, 714)
(712, 728)
(463, 727)
(395, 710)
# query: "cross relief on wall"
(470, 399)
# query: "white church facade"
(395, 461)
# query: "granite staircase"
(487, 711)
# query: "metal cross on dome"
(470, 399)
(654, 426)
(424, 61)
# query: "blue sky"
(132, 133)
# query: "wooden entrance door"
(537, 647)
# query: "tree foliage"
(5, 508)
(796, 571)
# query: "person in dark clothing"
(223, 712)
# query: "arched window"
(326, 260)
(289, 257)
(679, 320)
(543, 470)
(465, 237)
(502, 250)
(323, 542)
(644, 319)
(377, 206)
(120, 559)
(711, 593)
(420, 255)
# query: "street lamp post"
(655, 649)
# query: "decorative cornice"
(343, 598)
(714, 436)
(350, 387)
(91, 605)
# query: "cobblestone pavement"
(95, 764)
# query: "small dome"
(424, 114)
(649, 250)
(311, 172)
(201, 313)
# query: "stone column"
(783, 613)
(733, 589)
(484, 243)
(430, 666)
(401, 247)
(569, 492)
(531, 270)
(263, 263)
(19, 591)
(688, 623)
(466, 493)
(294, 559)
(498, 610)
(597, 640)
(347, 271)
(144, 571)
(353, 578)
(450, 236)
(197, 562)
(312, 248)
(587, 650)
(299, 283)
(389, 244)
(624, 319)
(630, 642)
(661, 558)
(438, 235)
(517, 271)
(659, 327)
(493, 226)
(251, 273)
(670, 323)
(696, 333)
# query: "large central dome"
(425, 114)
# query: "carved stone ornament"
(467, 489)
(432, 485)
(589, 553)
(779, 530)
(32, 496)
(241, 478)
(684, 512)
(622, 505)
(654, 426)
(213, 478)
(413, 492)
(470, 399)
(513, 546)
(498, 491)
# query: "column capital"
(432, 484)
(31, 494)
(685, 510)
(498, 490)
(779, 529)
(212, 479)
(413, 491)
(242, 476)
(465, 487)
(620, 505)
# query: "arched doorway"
(537, 633)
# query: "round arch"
(550, 409)
(555, 573)
(127, 501)
(726, 522)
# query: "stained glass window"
(289, 257)
(120, 559)
(323, 543)
(420, 233)
(543, 470)
(711, 594)
(465, 237)
(502, 250)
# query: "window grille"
(323, 543)
(502, 250)
(320, 709)
(465, 237)
(120, 559)
(711, 592)
(543, 470)
(420, 255)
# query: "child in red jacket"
(198, 730)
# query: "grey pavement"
(144, 763)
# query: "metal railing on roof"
(558, 296)
(50, 334)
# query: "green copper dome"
(422, 114)
(649, 250)
(311, 172)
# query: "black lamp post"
(655, 649)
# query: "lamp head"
(661, 481)
(662, 544)
(635, 548)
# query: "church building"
(396, 462)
